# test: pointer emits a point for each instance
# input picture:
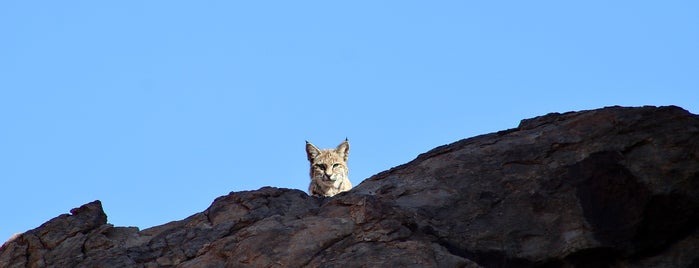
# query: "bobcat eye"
(336, 165)
(321, 166)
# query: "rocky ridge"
(615, 187)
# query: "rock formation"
(610, 187)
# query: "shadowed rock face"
(609, 187)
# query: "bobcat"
(328, 169)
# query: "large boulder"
(610, 187)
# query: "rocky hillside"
(609, 187)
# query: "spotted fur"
(329, 172)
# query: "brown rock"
(58, 242)
(609, 187)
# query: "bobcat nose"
(328, 176)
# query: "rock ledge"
(615, 186)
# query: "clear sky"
(158, 107)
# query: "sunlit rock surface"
(609, 187)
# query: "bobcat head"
(329, 172)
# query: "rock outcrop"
(610, 187)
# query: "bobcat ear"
(311, 151)
(343, 149)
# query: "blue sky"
(158, 107)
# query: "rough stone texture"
(610, 187)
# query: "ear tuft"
(343, 149)
(311, 151)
